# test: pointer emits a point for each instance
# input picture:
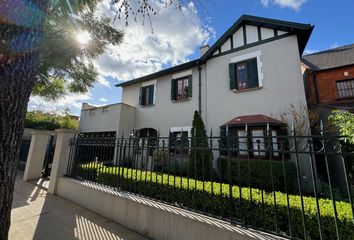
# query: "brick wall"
(326, 85)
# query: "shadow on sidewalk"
(39, 215)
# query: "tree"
(48, 121)
(200, 157)
(65, 63)
(22, 68)
(344, 121)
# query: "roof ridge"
(329, 50)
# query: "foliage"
(256, 174)
(344, 121)
(47, 121)
(214, 198)
(200, 156)
(160, 155)
(65, 64)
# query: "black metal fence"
(294, 186)
(24, 149)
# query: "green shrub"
(254, 207)
(260, 173)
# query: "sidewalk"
(39, 215)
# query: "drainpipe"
(316, 88)
(200, 89)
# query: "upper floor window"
(147, 95)
(345, 88)
(244, 74)
(181, 88)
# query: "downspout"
(199, 88)
(316, 88)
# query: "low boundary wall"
(150, 218)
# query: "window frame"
(243, 59)
(184, 95)
(147, 93)
(174, 87)
(341, 90)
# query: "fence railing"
(294, 186)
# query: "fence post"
(36, 153)
(61, 157)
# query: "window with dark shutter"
(181, 88)
(147, 95)
(244, 75)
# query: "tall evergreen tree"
(200, 158)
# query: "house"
(329, 85)
(252, 69)
(329, 78)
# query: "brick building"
(329, 78)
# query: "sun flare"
(83, 37)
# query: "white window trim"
(250, 55)
(184, 129)
(152, 82)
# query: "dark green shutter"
(252, 72)
(151, 94)
(173, 90)
(141, 96)
(190, 86)
(232, 75)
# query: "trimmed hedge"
(216, 200)
(260, 173)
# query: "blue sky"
(177, 38)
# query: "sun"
(83, 37)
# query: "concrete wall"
(150, 218)
(107, 118)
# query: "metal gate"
(48, 158)
(24, 149)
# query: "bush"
(257, 210)
(259, 170)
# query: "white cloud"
(310, 51)
(101, 80)
(103, 100)
(71, 101)
(334, 45)
(177, 34)
(294, 4)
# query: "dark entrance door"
(48, 158)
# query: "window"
(244, 74)
(345, 89)
(258, 142)
(179, 142)
(242, 142)
(181, 88)
(147, 95)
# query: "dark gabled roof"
(303, 32)
(160, 73)
(252, 119)
(332, 58)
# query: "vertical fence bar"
(228, 145)
(315, 188)
(286, 187)
(329, 175)
(270, 146)
(295, 147)
(347, 183)
(211, 165)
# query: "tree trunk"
(21, 25)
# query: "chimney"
(86, 106)
(204, 49)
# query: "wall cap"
(65, 130)
(41, 132)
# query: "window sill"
(147, 106)
(181, 100)
(246, 90)
(344, 98)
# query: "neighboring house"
(329, 84)
(329, 78)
